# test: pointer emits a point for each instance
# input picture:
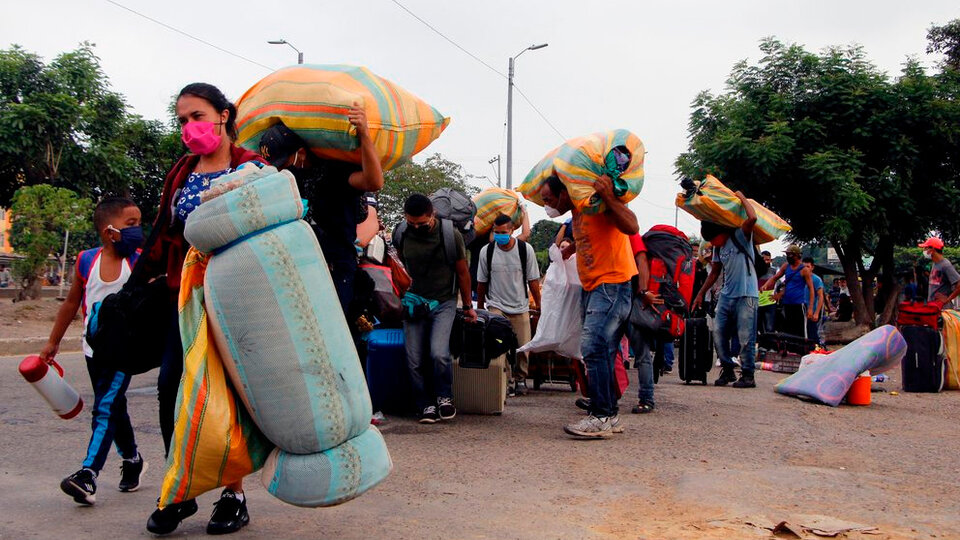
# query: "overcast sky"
(631, 64)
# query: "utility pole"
(497, 170)
(510, 112)
(63, 262)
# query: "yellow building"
(5, 247)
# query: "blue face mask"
(501, 239)
(131, 238)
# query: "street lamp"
(285, 42)
(510, 112)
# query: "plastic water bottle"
(880, 378)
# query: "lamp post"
(285, 42)
(510, 112)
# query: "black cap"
(278, 143)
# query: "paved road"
(705, 462)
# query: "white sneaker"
(591, 427)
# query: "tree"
(543, 233)
(405, 180)
(60, 124)
(946, 40)
(41, 215)
(846, 155)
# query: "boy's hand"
(49, 351)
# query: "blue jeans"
(430, 335)
(605, 310)
(737, 318)
(643, 344)
(168, 380)
(668, 355)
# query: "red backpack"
(672, 272)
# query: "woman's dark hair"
(214, 97)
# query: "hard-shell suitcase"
(480, 391)
(387, 377)
(923, 368)
(695, 354)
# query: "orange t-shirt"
(603, 252)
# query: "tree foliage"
(946, 40)
(543, 233)
(41, 215)
(435, 173)
(61, 124)
(844, 153)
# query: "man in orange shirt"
(605, 264)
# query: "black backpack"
(475, 344)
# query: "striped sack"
(715, 202)
(951, 343)
(492, 202)
(290, 357)
(313, 101)
(580, 162)
(215, 442)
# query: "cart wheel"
(536, 384)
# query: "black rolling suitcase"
(923, 368)
(695, 355)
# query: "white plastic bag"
(560, 322)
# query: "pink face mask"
(200, 138)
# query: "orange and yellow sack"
(313, 101)
(715, 202)
(580, 162)
(492, 202)
(215, 442)
(951, 343)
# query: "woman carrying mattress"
(208, 129)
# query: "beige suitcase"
(480, 391)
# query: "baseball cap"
(793, 249)
(278, 143)
(932, 242)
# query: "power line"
(478, 59)
(195, 38)
(452, 42)
(525, 98)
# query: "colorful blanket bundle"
(313, 101)
(215, 442)
(827, 378)
(951, 342)
(289, 357)
(580, 162)
(712, 201)
(492, 202)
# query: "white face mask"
(552, 212)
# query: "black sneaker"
(167, 520)
(745, 381)
(131, 472)
(727, 376)
(445, 408)
(82, 486)
(229, 515)
(429, 415)
(521, 388)
(583, 403)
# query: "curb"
(33, 345)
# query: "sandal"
(643, 408)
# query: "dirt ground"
(707, 463)
(32, 318)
